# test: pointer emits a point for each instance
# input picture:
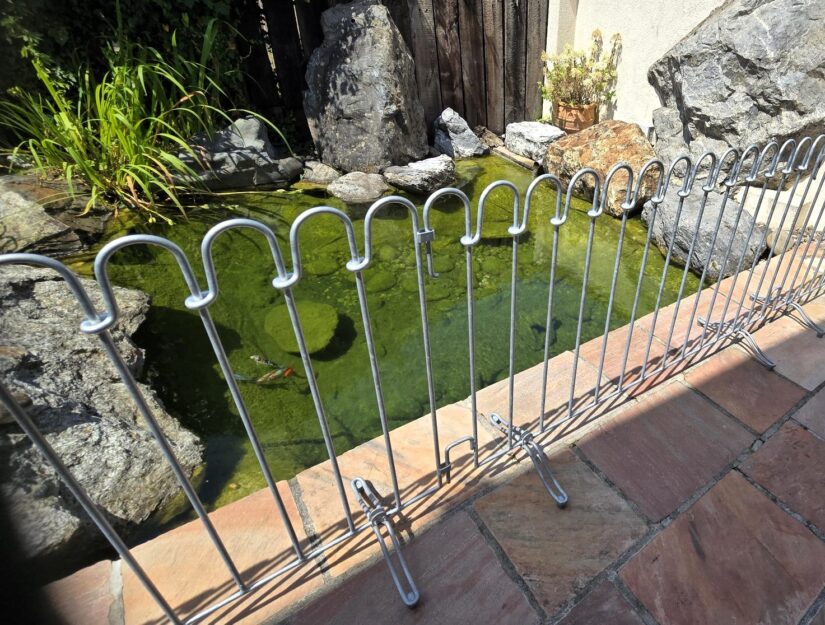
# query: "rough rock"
(672, 142)
(422, 176)
(741, 246)
(487, 137)
(358, 187)
(240, 156)
(75, 397)
(41, 218)
(794, 213)
(601, 147)
(753, 70)
(453, 137)
(316, 172)
(362, 99)
(531, 139)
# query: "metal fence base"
(377, 517)
(524, 440)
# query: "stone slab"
(733, 557)
(790, 465)
(662, 449)
(557, 552)
(795, 349)
(604, 605)
(84, 598)
(734, 380)
(457, 573)
(190, 574)
(812, 414)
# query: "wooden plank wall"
(479, 57)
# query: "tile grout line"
(117, 612)
(814, 610)
(506, 564)
(313, 540)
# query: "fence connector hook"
(524, 439)
(377, 516)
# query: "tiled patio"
(698, 502)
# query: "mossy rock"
(388, 252)
(318, 321)
(380, 281)
(323, 266)
(442, 263)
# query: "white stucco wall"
(649, 28)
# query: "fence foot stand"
(377, 517)
(745, 337)
(806, 319)
(786, 303)
(524, 439)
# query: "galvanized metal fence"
(790, 274)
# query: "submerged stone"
(318, 321)
(380, 281)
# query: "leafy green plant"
(577, 77)
(122, 134)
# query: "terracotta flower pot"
(574, 117)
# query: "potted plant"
(578, 82)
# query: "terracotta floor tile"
(812, 414)
(796, 350)
(604, 605)
(457, 574)
(527, 403)
(662, 449)
(790, 465)
(750, 392)
(190, 574)
(685, 332)
(83, 598)
(415, 467)
(734, 557)
(558, 552)
(638, 355)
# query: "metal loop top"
(470, 241)
(101, 268)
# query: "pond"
(181, 365)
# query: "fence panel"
(789, 274)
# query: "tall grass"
(122, 134)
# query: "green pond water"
(182, 366)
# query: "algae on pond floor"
(181, 365)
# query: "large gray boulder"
(753, 70)
(422, 177)
(531, 139)
(43, 218)
(71, 390)
(741, 246)
(240, 156)
(362, 100)
(453, 137)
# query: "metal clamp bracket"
(524, 439)
(377, 517)
(446, 467)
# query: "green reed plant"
(122, 134)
